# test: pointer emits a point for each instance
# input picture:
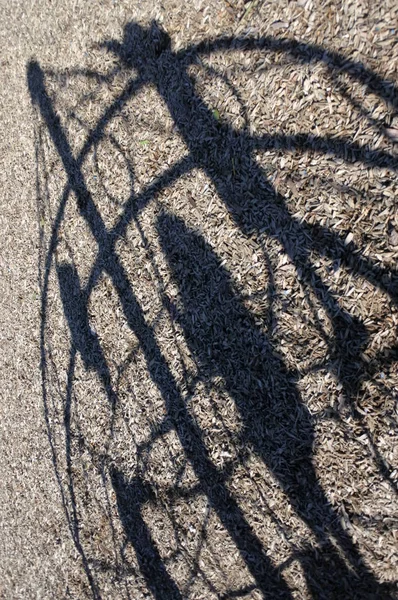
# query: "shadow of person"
(225, 340)
(131, 494)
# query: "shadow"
(277, 423)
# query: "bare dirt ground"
(198, 301)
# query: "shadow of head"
(206, 287)
(130, 494)
(140, 45)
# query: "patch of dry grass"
(216, 319)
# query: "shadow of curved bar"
(302, 52)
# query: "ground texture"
(198, 299)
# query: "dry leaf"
(280, 25)
(394, 237)
(392, 133)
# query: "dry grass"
(199, 300)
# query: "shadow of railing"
(268, 409)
